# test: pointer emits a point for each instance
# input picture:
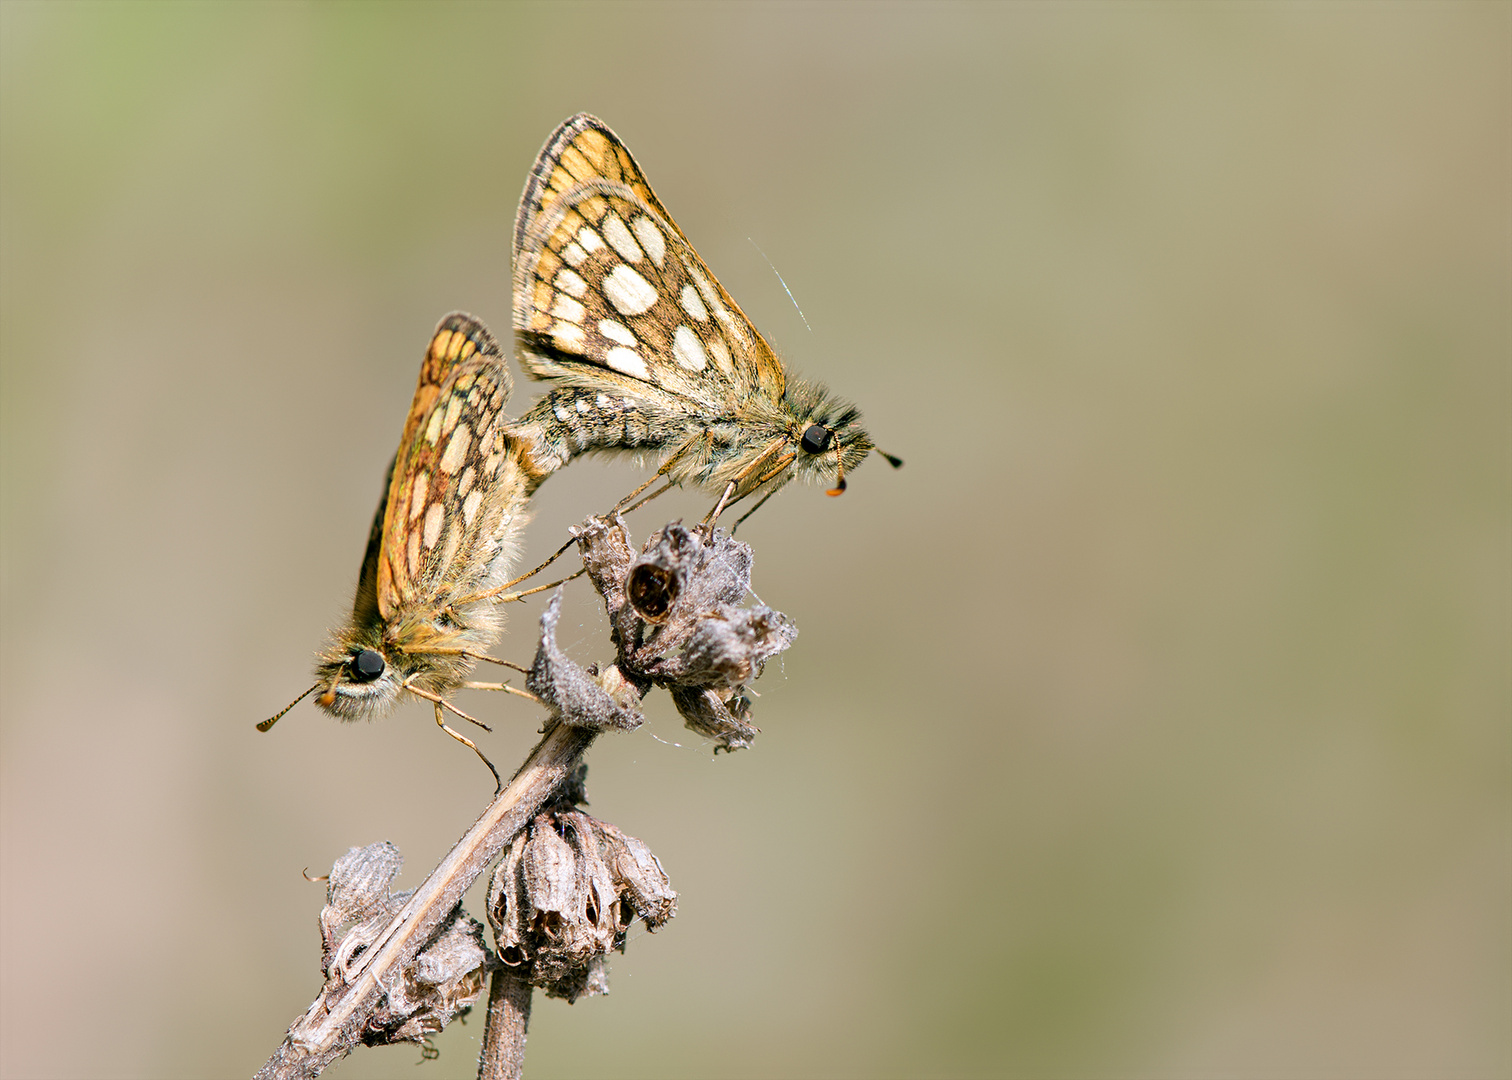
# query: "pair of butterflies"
(644, 352)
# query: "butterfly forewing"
(580, 151)
(447, 515)
(604, 277)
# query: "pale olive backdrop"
(1153, 721)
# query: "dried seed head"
(733, 645)
(652, 590)
(565, 895)
(446, 978)
(676, 620)
(706, 712)
(605, 546)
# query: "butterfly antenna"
(895, 462)
(839, 488)
(785, 288)
(276, 717)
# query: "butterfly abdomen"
(573, 420)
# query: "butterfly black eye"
(367, 665)
(817, 439)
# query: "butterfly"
(646, 351)
(441, 543)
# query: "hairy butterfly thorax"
(645, 350)
(441, 544)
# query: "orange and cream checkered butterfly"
(647, 351)
(441, 543)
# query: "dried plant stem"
(503, 1055)
(333, 1023)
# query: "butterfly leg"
(726, 499)
(668, 486)
(740, 520)
(488, 659)
(502, 589)
(501, 686)
(774, 471)
(707, 439)
(713, 515)
(499, 596)
(523, 577)
(654, 478)
(464, 740)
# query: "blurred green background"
(1153, 721)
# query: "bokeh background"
(1153, 721)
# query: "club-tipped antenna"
(785, 288)
(276, 717)
(895, 462)
(839, 488)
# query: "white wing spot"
(453, 542)
(721, 353)
(433, 519)
(561, 413)
(650, 237)
(618, 333)
(711, 295)
(567, 308)
(433, 429)
(470, 505)
(574, 254)
(590, 240)
(417, 495)
(456, 450)
(581, 406)
(693, 304)
(602, 401)
(620, 239)
(703, 285)
(465, 484)
(571, 283)
(630, 293)
(453, 413)
(688, 350)
(629, 362)
(568, 337)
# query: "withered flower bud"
(706, 712)
(565, 895)
(677, 624)
(446, 978)
(568, 690)
(733, 645)
(652, 590)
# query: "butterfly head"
(351, 683)
(356, 680)
(827, 437)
